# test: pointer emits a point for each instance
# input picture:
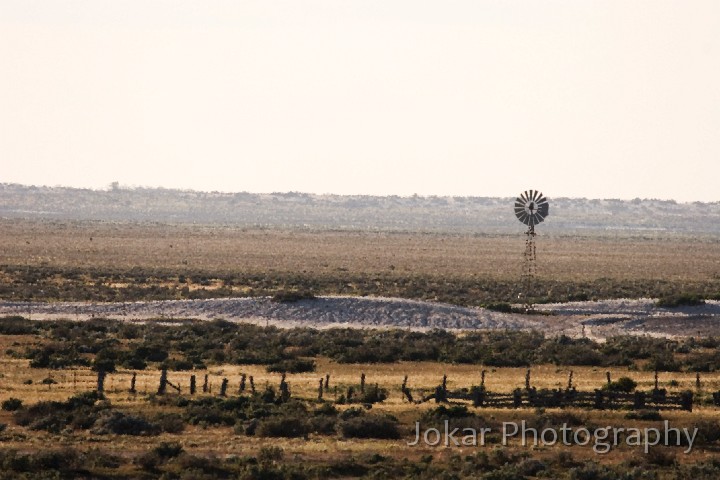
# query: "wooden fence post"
(193, 386)
(320, 389)
(609, 381)
(362, 383)
(599, 399)
(132, 382)
(478, 396)
(284, 389)
(686, 400)
(252, 384)
(482, 379)
(205, 384)
(163, 382)
(406, 391)
(570, 379)
(101, 381)
(656, 380)
(517, 398)
(527, 380)
(243, 377)
(639, 401)
(327, 382)
(223, 387)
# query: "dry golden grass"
(223, 441)
(422, 376)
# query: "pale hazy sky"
(613, 99)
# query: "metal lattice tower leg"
(530, 268)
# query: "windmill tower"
(531, 208)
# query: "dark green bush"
(105, 360)
(177, 365)
(79, 411)
(56, 356)
(372, 394)
(12, 404)
(663, 362)
(169, 450)
(499, 307)
(593, 471)
(122, 424)
(281, 426)
(644, 415)
(680, 300)
(270, 454)
(170, 422)
(622, 384)
(292, 365)
(17, 326)
(291, 296)
(370, 426)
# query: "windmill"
(531, 208)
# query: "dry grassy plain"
(231, 249)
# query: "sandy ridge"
(597, 320)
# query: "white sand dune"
(596, 320)
(320, 312)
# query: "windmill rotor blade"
(544, 209)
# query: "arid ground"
(590, 288)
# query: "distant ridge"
(482, 215)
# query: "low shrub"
(291, 296)
(79, 411)
(177, 365)
(12, 404)
(17, 326)
(680, 300)
(644, 415)
(56, 356)
(499, 307)
(170, 422)
(370, 426)
(593, 471)
(292, 365)
(289, 426)
(169, 450)
(270, 454)
(622, 384)
(123, 424)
